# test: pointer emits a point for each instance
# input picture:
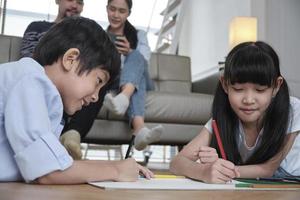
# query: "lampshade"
(242, 29)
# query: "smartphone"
(118, 38)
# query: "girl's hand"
(220, 171)
(122, 45)
(207, 154)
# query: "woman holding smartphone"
(135, 52)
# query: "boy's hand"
(144, 171)
(128, 170)
(220, 171)
(207, 154)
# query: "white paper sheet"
(165, 184)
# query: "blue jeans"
(135, 71)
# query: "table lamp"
(242, 29)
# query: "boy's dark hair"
(94, 45)
(258, 63)
(130, 31)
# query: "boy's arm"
(268, 168)
(88, 171)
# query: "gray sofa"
(172, 104)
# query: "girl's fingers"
(207, 149)
(230, 174)
(207, 156)
(208, 159)
(228, 169)
(223, 179)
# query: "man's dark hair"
(94, 45)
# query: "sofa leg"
(130, 147)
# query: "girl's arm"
(185, 163)
(87, 171)
(268, 168)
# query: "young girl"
(132, 44)
(257, 121)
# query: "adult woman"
(133, 46)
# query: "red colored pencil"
(219, 141)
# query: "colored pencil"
(167, 176)
(249, 185)
(130, 147)
(290, 179)
(219, 141)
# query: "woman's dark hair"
(130, 31)
(94, 45)
(258, 63)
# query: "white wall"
(204, 35)
(280, 27)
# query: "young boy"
(78, 59)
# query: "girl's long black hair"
(130, 31)
(258, 63)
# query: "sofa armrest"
(206, 84)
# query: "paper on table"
(165, 184)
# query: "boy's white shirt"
(30, 123)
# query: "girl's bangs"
(250, 66)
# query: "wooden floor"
(22, 191)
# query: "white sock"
(117, 104)
(147, 136)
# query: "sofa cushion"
(108, 132)
(165, 107)
(170, 73)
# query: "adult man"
(32, 35)
(35, 30)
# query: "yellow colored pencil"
(162, 176)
